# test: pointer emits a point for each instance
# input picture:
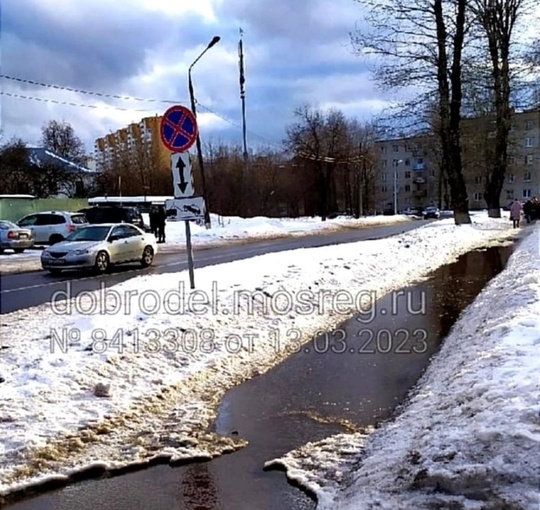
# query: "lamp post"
(397, 162)
(213, 42)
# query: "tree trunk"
(450, 95)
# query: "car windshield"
(89, 234)
(5, 225)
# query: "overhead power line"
(116, 96)
(92, 93)
(69, 103)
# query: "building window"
(528, 142)
(408, 174)
(509, 194)
(383, 149)
(478, 197)
(529, 159)
(511, 178)
(407, 162)
(527, 193)
(527, 177)
(384, 189)
(478, 179)
(383, 177)
(511, 160)
(432, 173)
(529, 125)
(407, 187)
(395, 148)
(384, 163)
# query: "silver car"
(99, 247)
(13, 237)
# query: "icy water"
(359, 372)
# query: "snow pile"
(230, 228)
(169, 353)
(470, 435)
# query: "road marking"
(50, 284)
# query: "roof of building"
(40, 156)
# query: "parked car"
(13, 237)
(114, 214)
(52, 226)
(432, 212)
(99, 247)
(413, 211)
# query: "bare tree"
(422, 44)
(60, 138)
(497, 20)
(321, 139)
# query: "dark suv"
(114, 214)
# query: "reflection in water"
(359, 372)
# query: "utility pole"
(243, 95)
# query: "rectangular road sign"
(185, 208)
(182, 176)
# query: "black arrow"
(183, 184)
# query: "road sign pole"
(190, 255)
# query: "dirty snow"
(170, 353)
(469, 438)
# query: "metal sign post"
(178, 132)
(190, 255)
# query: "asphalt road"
(24, 290)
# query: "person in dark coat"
(153, 220)
(160, 220)
(535, 209)
(527, 210)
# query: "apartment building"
(410, 176)
(523, 175)
(137, 146)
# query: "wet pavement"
(359, 373)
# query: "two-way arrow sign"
(182, 176)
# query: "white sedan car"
(99, 247)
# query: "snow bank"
(470, 435)
(231, 228)
(163, 355)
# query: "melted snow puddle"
(343, 381)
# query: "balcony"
(419, 166)
(419, 180)
(420, 193)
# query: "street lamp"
(213, 42)
(397, 162)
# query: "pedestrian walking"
(161, 220)
(535, 209)
(527, 210)
(515, 213)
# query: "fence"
(14, 209)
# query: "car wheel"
(147, 257)
(19, 250)
(1, 251)
(55, 238)
(102, 262)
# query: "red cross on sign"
(178, 129)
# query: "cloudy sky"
(296, 52)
